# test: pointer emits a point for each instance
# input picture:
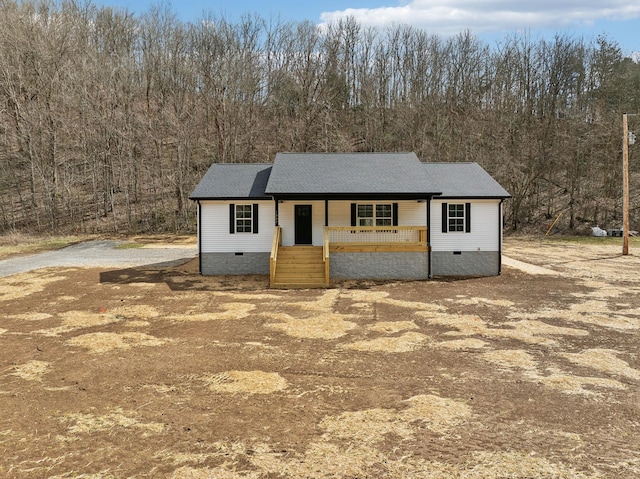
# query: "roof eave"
(474, 197)
(353, 196)
(229, 198)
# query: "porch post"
(429, 270)
(199, 237)
(326, 212)
(500, 221)
(276, 218)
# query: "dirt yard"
(162, 373)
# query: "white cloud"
(479, 16)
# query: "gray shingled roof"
(344, 173)
(233, 181)
(463, 180)
(317, 174)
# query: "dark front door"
(303, 224)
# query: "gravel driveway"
(103, 253)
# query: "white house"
(310, 217)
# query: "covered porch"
(356, 252)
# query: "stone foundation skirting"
(413, 265)
(465, 263)
(233, 263)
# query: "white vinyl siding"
(485, 227)
(287, 221)
(214, 228)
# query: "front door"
(303, 224)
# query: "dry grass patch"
(324, 303)
(186, 472)
(364, 296)
(464, 324)
(76, 320)
(570, 384)
(554, 378)
(161, 388)
(516, 465)
(397, 344)
(248, 382)
(147, 285)
(391, 327)
(437, 413)
(604, 360)
(105, 342)
(462, 344)
(533, 332)
(21, 285)
(112, 421)
(504, 303)
(322, 326)
(230, 311)
(98, 475)
(140, 311)
(32, 371)
(321, 460)
(13, 244)
(30, 316)
(530, 332)
(414, 305)
(180, 458)
(137, 324)
(593, 312)
(245, 296)
(368, 426)
(511, 359)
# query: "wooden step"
(299, 267)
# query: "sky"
(491, 20)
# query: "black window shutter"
(353, 214)
(232, 218)
(255, 218)
(394, 215)
(467, 217)
(445, 219)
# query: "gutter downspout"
(199, 237)
(429, 271)
(500, 221)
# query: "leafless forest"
(108, 119)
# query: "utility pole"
(625, 186)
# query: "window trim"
(463, 220)
(242, 207)
(456, 218)
(374, 214)
(253, 218)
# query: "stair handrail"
(273, 258)
(325, 254)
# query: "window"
(456, 217)
(375, 215)
(244, 219)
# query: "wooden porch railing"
(325, 255)
(416, 235)
(277, 241)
